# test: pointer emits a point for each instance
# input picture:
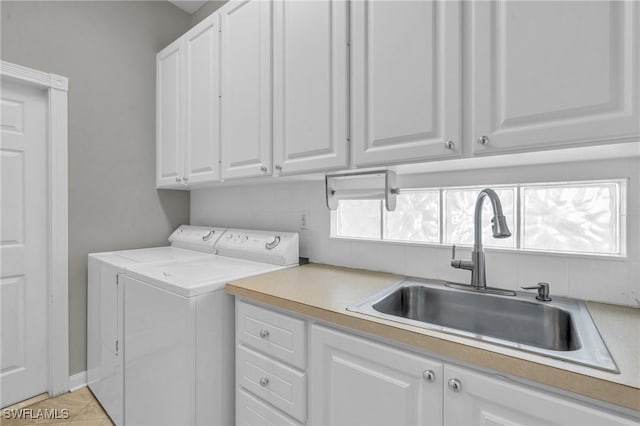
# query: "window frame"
(518, 234)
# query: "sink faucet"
(500, 230)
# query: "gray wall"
(107, 49)
(206, 9)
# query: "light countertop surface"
(323, 292)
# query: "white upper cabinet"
(554, 73)
(201, 52)
(406, 81)
(246, 88)
(310, 91)
(355, 381)
(168, 116)
(188, 107)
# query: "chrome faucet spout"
(499, 228)
(498, 222)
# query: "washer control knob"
(273, 243)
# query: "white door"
(355, 381)
(406, 80)
(310, 68)
(246, 88)
(169, 163)
(482, 399)
(23, 243)
(553, 73)
(201, 52)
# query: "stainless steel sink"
(561, 328)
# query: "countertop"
(323, 292)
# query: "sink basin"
(561, 328)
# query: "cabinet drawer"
(281, 386)
(277, 335)
(252, 411)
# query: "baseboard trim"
(77, 381)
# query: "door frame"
(56, 88)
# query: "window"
(568, 217)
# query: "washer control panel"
(200, 238)
(278, 248)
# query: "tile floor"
(83, 410)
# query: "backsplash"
(279, 207)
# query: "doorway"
(33, 240)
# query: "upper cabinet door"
(168, 126)
(202, 101)
(246, 88)
(310, 85)
(554, 73)
(406, 80)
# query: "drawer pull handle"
(264, 381)
(264, 333)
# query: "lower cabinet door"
(473, 398)
(252, 411)
(358, 382)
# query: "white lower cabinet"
(278, 384)
(355, 381)
(481, 399)
(252, 411)
(271, 379)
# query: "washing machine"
(105, 315)
(179, 330)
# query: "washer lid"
(200, 276)
(124, 258)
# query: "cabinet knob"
(264, 333)
(178, 180)
(278, 167)
(449, 145)
(263, 169)
(455, 385)
(429, 375)
(483, 140)
(264, 381)
(185, 179)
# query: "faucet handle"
(543, 291)
(455, 263)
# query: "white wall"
(107, 50)
(278, 206)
